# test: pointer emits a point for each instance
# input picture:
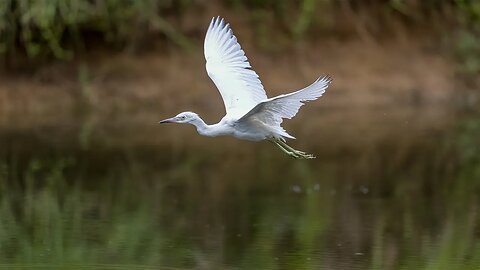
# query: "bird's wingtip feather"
(326, 78)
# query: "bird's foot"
(301, 155)
(297, 154)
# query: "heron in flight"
(250, 115)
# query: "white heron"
(250, 115)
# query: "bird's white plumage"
(272, 111)
(229, 69)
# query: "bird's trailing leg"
(291, 151)
(283, 149)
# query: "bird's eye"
(182, 117)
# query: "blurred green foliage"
(469, 149)
(467, 38)
(59, 28)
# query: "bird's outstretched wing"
(272, 111)
(229, 69)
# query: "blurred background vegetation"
(61, 29)
(88, 180)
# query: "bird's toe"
(307, 156)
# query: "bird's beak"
(168, 120)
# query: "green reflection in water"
(392, 205)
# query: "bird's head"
(184, 117)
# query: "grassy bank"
(411, 52)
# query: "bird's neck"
(209, 130)
(202, 128)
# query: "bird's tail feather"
(283, 134)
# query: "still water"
(397, 191)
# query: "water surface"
(390, 189)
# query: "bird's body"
(251, 131)
(250, 115)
